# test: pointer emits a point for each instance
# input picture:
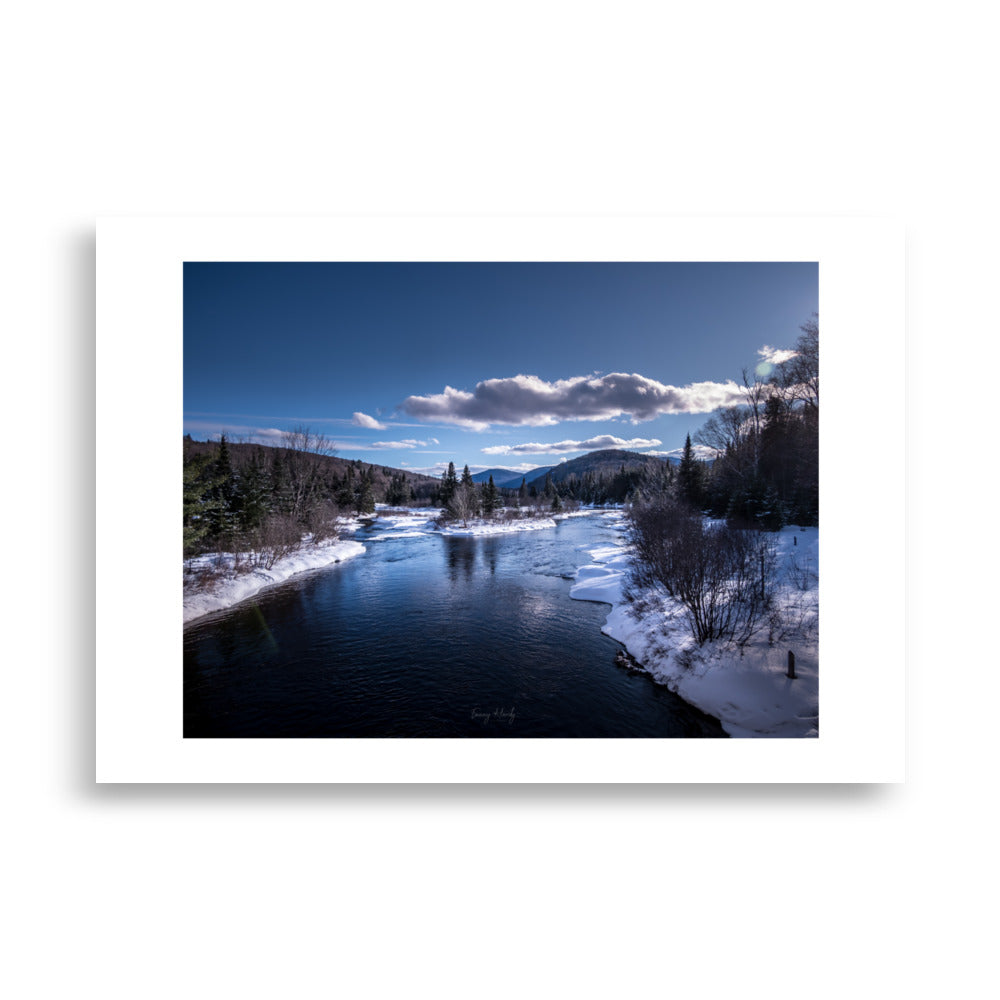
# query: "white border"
(139, 403)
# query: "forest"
(246, 497)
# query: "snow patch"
(499, 527)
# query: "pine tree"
(448, 485)
(199, 503)
(689, 474)
(491, 498)
(365, 502)
(345, 495)
(253, 495)
(222, 516)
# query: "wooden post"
(791, 664)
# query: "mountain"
(508, 479)
(596, 463)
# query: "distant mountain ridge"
(596, 463)
(507, 478)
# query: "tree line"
(766, 469)
(462, 499)
(263, 500)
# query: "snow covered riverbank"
(748, 690)
(223, 586)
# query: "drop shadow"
(78, 664)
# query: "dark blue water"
(430, 637)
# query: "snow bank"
(498, 527)
(503, 527)
(231, 587)
(394, 522)
(748, 690)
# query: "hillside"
(243, 455)
(594, 465)
(598, 464)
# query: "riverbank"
(213, 582)
(748, 690)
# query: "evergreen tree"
(365, 496)
(221, 516)
(200, 503)
(491, 498)
(689, 475)
(280, 485)
(471, 495)
(448, 486)
(253, 496)
(395, 493)
(345, 495)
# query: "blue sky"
(509, 365)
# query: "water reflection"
(461, 556)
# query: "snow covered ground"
(749, 690)
(498, 527)
(230, 587)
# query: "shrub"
(723, 576)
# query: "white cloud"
(393, 445)
(363, 420)
(591, 444)
(236, 434)
(436, 470)
(527, 400)
(776, 355)
(771, 358)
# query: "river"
(427, 635)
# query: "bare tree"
(304, 487)
(722, 576)
(755, 392)
(798, 377)
(303, 440)
(463, 504)
(726, 430)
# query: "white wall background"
(769, 108)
